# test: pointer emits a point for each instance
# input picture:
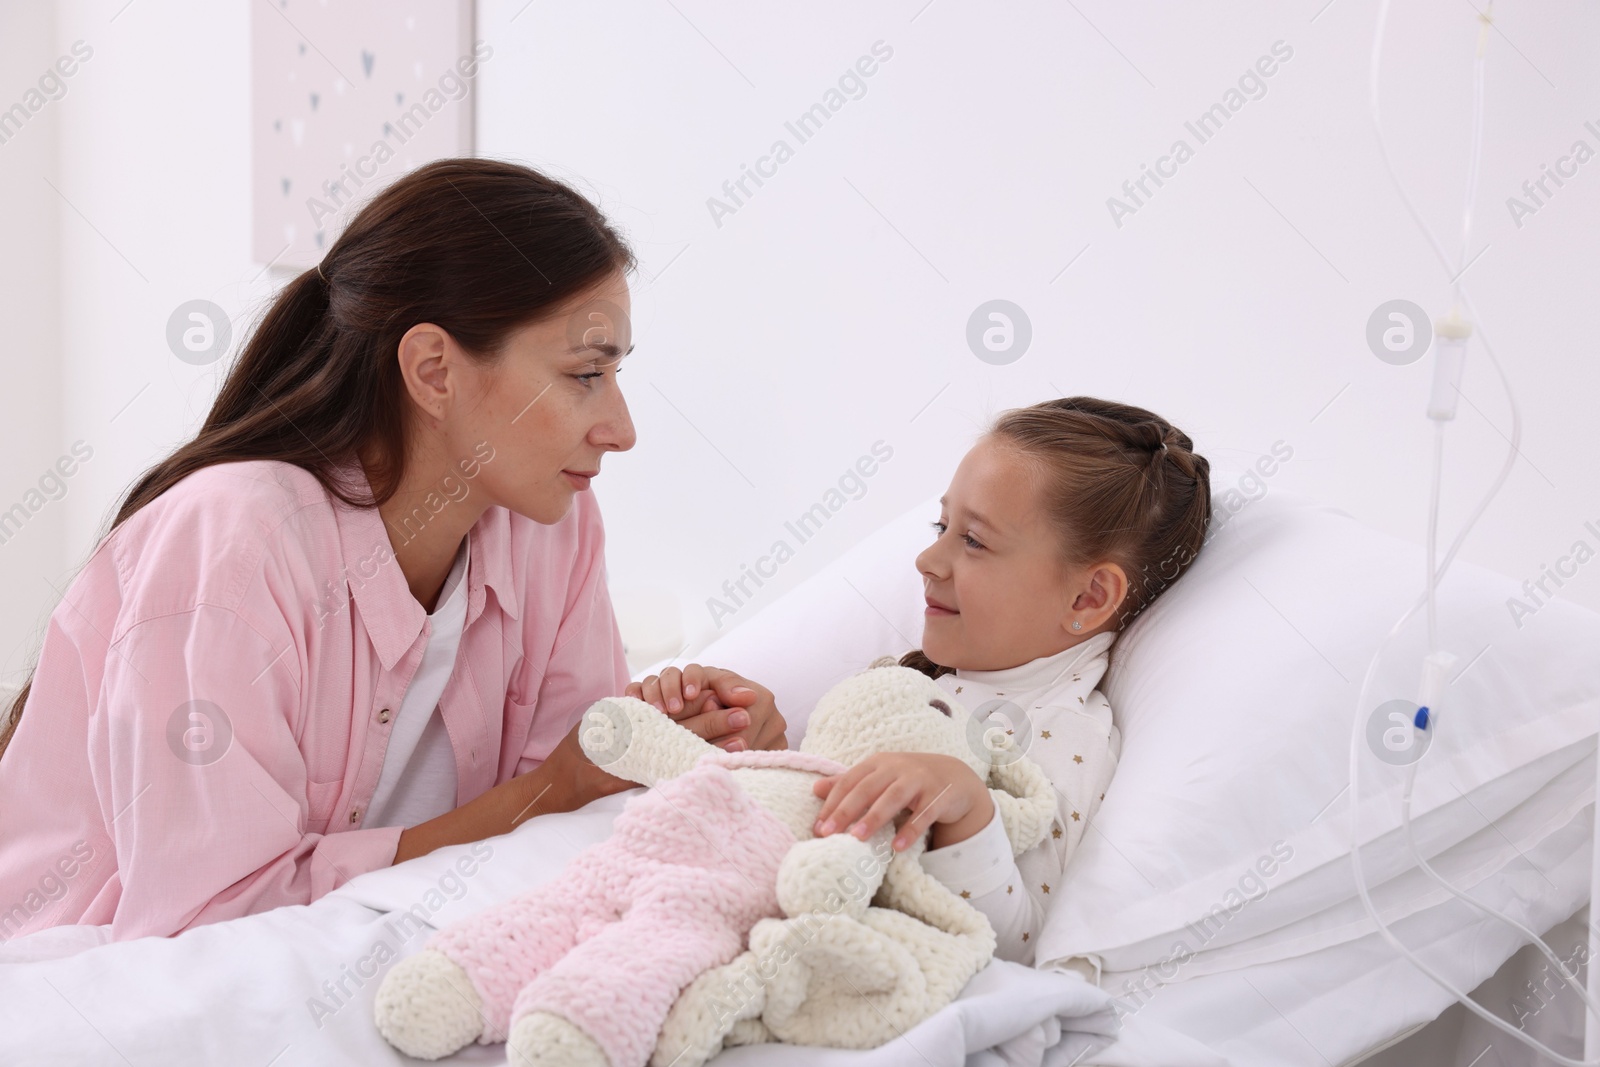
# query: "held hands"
(726, 709)
(719, 706)
(938, 791)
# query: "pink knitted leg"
(708, 865)
(618, 986)
(504, 947)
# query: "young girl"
(1063, 522)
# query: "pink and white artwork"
(346, 96)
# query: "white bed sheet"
(1334, 1006)
(243, 991)
(240, 991)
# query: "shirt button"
(383, 716)
(355, 813)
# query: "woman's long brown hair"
(476, 246)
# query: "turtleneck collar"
(1048, 670)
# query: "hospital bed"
(1212, 895)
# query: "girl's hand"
(939, 791)
(673, 690)
(728, 710)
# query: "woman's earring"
(1076, 625)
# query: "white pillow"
(1235, 693)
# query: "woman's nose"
(616, 430)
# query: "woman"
(359, 615)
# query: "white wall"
(149, 149)
(830, 309)
(30, 432)
(812, 322)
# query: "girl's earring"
(1076, 625)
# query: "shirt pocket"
(542, 727)
(320, 798)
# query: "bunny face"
(894, 709)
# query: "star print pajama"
(1057, 717)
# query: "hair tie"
(321, 275)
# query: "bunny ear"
(1025, 797)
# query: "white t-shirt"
(1076, 744)
(418, 779)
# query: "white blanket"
(295, 985)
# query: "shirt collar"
(392, 616)
(1088, 654)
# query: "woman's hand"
(563, 781)
(726, 709)
(939, 791)
(576, 773)
(722, 707)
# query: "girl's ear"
(1104, 588)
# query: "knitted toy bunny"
(850, 975)
(584, 969)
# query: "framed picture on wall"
(346, 96)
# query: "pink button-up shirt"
(215, 692)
